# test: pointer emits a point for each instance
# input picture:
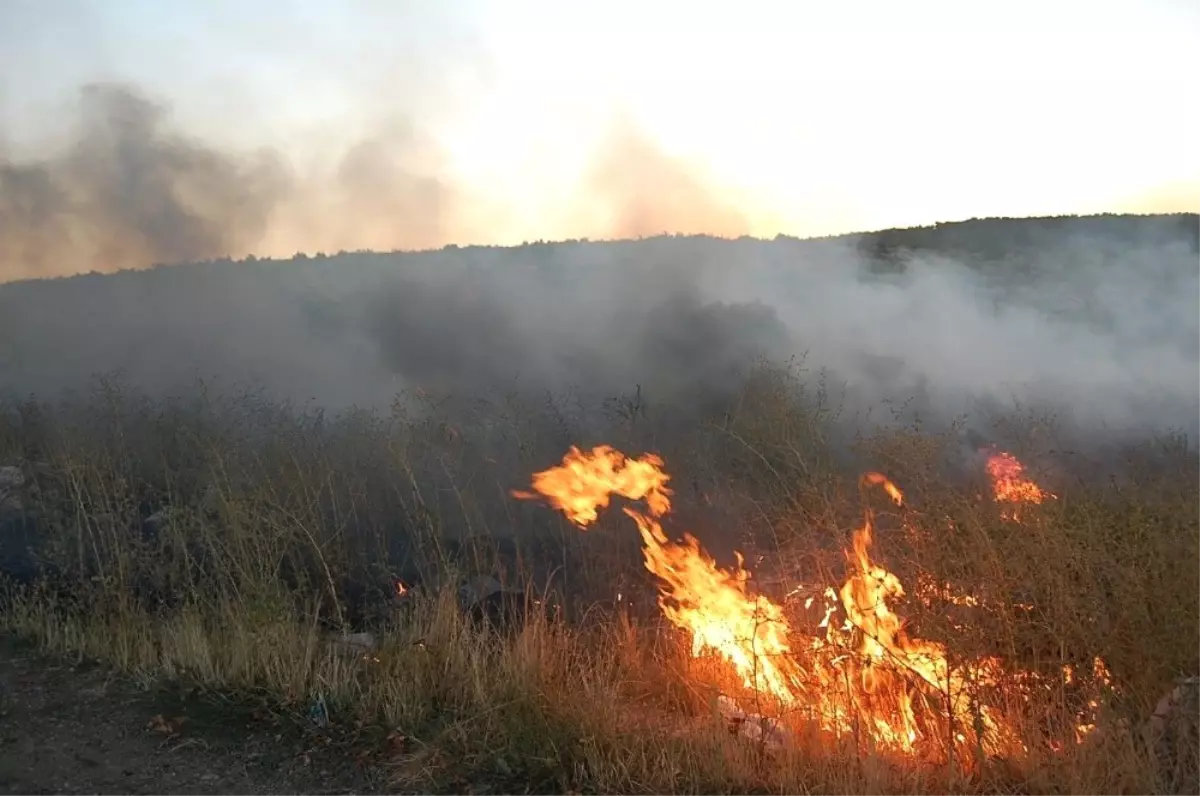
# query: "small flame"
(928, 591)
(1010, 486)
(878, 479)
(582, 485)
(1087, 717)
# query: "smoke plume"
(633, 189)
(129, 192)
(1096, 317)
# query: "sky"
(582, 119)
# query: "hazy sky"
(808, 118)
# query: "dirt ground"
(68, 727)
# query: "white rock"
(752, 726)
(1173, 733)
(477, 589)
(12, 479)
(355, 643)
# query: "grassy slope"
(280, 523)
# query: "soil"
(75, 727)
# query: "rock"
(372, 600)
(753, 726)
(153, 525)
(478, 588)
(211, 502)
(1173, 733)
(12, 479)
(487, 601)
(388, 602)
(355, 643)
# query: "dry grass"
(276, 528)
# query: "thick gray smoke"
(1097, 318)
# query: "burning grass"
(883, 628)
(863, 676)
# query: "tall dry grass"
(224, 540)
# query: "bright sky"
(811, 118)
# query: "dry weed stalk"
(224, 540)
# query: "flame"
(750, 632)
(1010, 486)
(865, 675)
(891, 657)
(928, 591)
(1086, 721)
(582, 485)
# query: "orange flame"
(582, 485)
(868, 672)
(1010, 486)
(1087, 717)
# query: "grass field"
(226, 541)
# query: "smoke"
(386, 192)
(633, 189)
(497, 335)
(1095, 318)
(128, 192)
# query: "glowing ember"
(1087, 717)
(865, 675)
(928, 591)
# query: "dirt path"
(75, 728)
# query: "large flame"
(697, 595)
(865, 675)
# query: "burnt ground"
(76, 727)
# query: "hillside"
(1097, 312)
